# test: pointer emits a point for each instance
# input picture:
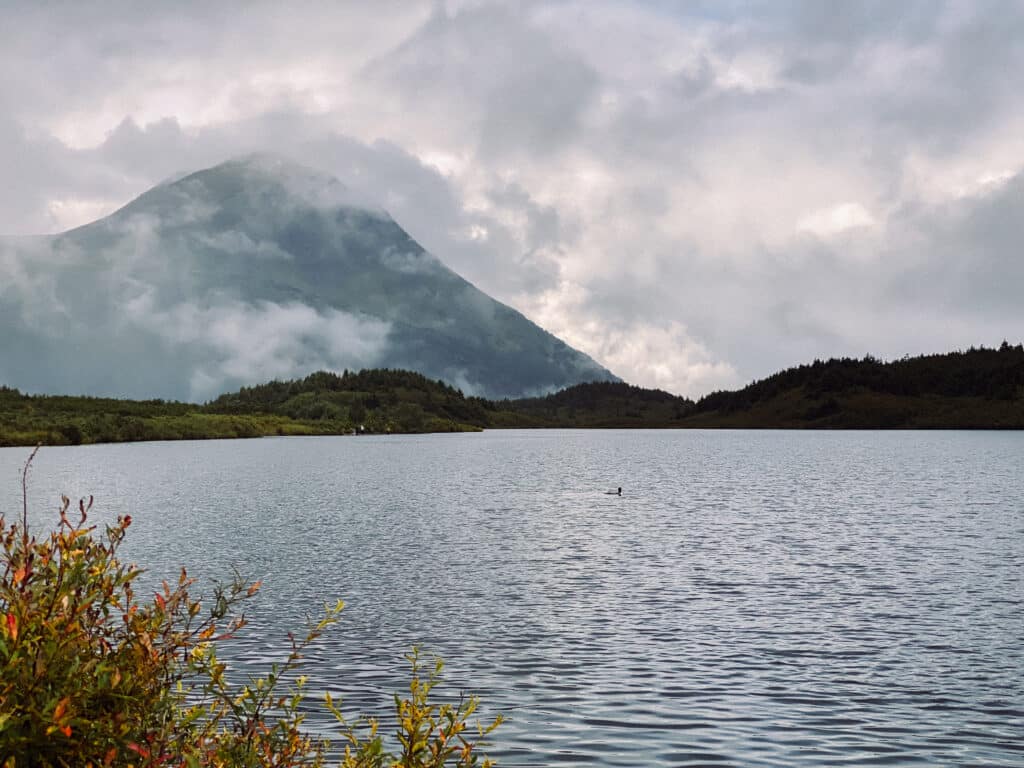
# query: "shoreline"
(9, 443)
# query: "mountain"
(255, 269)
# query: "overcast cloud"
(695, 194)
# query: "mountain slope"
(255, 269)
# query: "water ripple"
(753, 599)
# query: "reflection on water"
(753, 598)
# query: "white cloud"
(70, 212)
(666, 358)
(827, 222)
(986, 183)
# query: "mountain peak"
(272, 164)
(282, 177)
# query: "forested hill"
(374, 400)
(600, 404)
(978, 388)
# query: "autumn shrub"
(91, 675)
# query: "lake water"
(752, 599)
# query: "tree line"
(974, 388)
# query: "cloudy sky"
(696, 194)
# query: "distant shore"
(977, 389)
(199, 426)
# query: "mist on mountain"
(256, 269)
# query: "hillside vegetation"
(32, 419)
(376, 401)
(600, 404)
(975, 389)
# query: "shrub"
(92, 676)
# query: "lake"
(752, 599)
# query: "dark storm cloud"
(971, 261)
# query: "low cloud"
(235, 242)
(106, 322)
(235, 343)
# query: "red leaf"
(140, 749)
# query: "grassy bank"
(63, 420)
(68, 428)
